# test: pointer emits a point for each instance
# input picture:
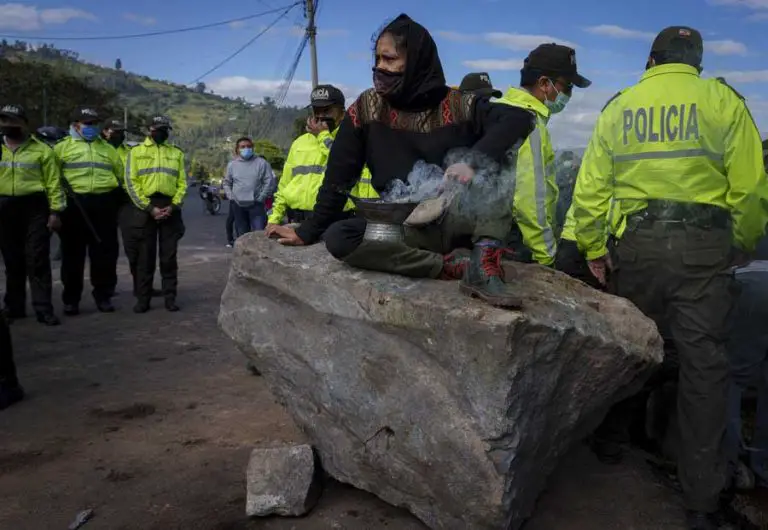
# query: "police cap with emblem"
(479, 83)
(671, 39)
(555, 59)
(86, 115)
(326, 96)
(13, 113)
(159, 122)
(114, 124)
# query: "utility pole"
(312, 33)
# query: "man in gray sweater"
(248, 183)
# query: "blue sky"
(612, 41)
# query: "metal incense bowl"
(384, 219)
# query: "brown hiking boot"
(454, 267)
(484, 278)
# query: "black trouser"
(678, 275)
(25, 242)
(77, 240)
(145, 233)
(7, 366)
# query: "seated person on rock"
(307, 158)
(411, 115)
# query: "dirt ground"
(149, 420)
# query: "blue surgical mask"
(559, 103)
(246, 152)
(89, 132)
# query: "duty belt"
(703, 216)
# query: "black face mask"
(386, 82)
(117, 139)
(330, 122)
(12, 133)
(159, 136)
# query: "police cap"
(326, 96)
(13, 113)
(479, 83)
(86, 114)
(676, 37)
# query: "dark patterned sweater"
(390, 142)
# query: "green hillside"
(203, 122)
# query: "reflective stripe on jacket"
(31, 168)
(151, 169)
(616, 223)
(303, 174)
(89, 167)
(122, 152)
(673, 136)
(535, 200)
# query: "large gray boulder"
(434, 402)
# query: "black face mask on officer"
(116, 138)
(159, 136)
(12, 133)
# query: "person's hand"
(461, 172)
(315, 126)
(269, 231)
(287, 236)
(158, 213)
(599, 268)
(54, 222)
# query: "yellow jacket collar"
(519, 97)
(673, 68)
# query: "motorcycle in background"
(210, 195)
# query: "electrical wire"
(155, 33)
(244, 46)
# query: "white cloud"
(510, 41)
(255, 90)
(618, 32)
(725, 47)
(522, 42)
(139, 19)
(744, 76)
(490, 65)
(27, 18)
(573, 127)
(238, 24)
(749, 4)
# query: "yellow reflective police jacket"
(31, 168)
(673, 136)
(303, 174)
(155, 169)
(89, 167)
(122, 151)
(536, 190)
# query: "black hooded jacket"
(424, 121)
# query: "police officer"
(479, 84)
(113, 133)
(31, 202)
(94, 173)
(304, 167)
(681, 157)
(156, 182)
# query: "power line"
(156, 33)
(244, 46)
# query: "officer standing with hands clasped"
(156, 181)
(31, 202)
(681, 157)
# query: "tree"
(270, 152)
(200, 87)
(299, 126)
(118, 64)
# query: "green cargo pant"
(421, 255)
(679, 276)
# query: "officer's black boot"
(10, 393)
(170, 304)
(142, 306)
(701, 521)
(48, 319)
(71, 310)
(105, 306)
(484, 278)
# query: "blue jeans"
(250, 218)
(748, 359)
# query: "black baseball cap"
(86, 114)
(326, 96)
(115, 125)
(13, 112)
(158, 122)
(670, 39)
(555, 59)
(479, 83)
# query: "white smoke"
(422, 183)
